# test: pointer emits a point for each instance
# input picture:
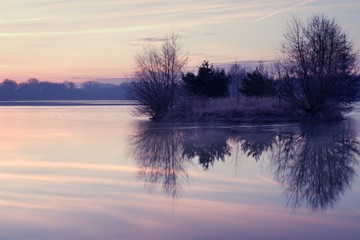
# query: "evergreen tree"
(257, 84)
(209, 81)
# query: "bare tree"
(157, 75)
(318, 64)
(237, 73)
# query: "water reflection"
(159, 155)
(206, 146)
(315, 165)
(254, 144)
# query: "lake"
(73, 171)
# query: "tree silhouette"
(34, 89)
(236, 74)
(157, 77)
(318, 67)
(209, 81)
(257, 84)
(8, 89)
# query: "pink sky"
(79, 40)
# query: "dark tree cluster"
(257, 84)
(209, 81)
(34, 89)
(315, 75)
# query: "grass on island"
(243, 109)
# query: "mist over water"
(97, 172)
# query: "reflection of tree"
(207, 145)
(316, 164)
(254, 144)
(158, 153)
(161, 153)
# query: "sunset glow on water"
(79, 172)
(243, 135)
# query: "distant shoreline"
(69, 103)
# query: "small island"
(314, 79)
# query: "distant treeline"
(34, 89)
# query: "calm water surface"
(97, 172)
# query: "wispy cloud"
(284, 10)
(151, 39)
(66, 34)
(75, 32)
(22, 20)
